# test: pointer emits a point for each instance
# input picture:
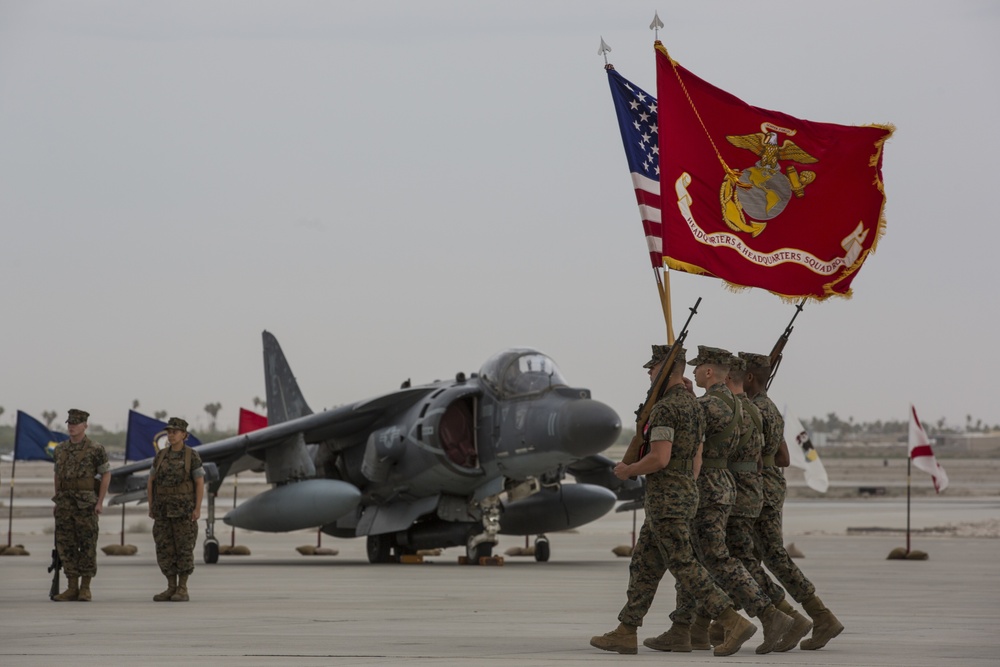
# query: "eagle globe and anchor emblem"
(762, 191)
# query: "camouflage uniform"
(767, 528)
(671, 498)
(749, 496)
(174, 532)
(76, 466)
(717, 493)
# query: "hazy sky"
(401, 189)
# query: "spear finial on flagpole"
(656, 25)
(604, 50)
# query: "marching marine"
(671, 465)
(79, 500)
(767, 527)
(717, 493)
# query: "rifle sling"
(725, 434)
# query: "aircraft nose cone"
(588, 427)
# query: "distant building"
(969, 443)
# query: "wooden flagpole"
(232, 534)
(663, 287)
(121, 538)
(10, 507)
(908, 462)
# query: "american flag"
(636, 111)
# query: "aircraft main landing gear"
(542, 550)
(210, 552)
(380, 548)
(477, 551)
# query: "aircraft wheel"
(542, 550)
(211, 552)
(379, 548)
(481, 550)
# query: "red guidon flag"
(922, 455)
(759, 198)
(250, 421)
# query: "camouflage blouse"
(168, 477)
(74, 464)
(749, 491)
(672, 493)
(716, 485)
(774, 435)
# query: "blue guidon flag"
(146, 436)
(33, 441)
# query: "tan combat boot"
(737, 629)
(84, 594)
(70, 593)
(716, 633)
(799, 630)
(620, 640)
(677, 639)
(171, 589)
(825, 624)
(776, 625)
(699, 634)
(181, 594)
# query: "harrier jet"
(451, 463)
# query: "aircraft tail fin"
(284, 398)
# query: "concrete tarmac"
(277, 607)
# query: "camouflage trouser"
(740, 540)
(768, 540)
(665, 544)
(771, 548)
(76, 540)
(175, 540)
(709, 529)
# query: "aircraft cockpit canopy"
(521, 372)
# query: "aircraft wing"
(248, 451)
(599, 470)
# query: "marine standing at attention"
(671, 464)
(175, 490)
(767, 528)
(79, 500)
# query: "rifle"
(775, 355)
(633, 453)
(54, 569)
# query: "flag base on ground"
(237, 550)
(900, 553)
(120, 550)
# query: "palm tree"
(160, 414)
(213, 410)
(49, 416)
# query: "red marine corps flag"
(759, 198)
